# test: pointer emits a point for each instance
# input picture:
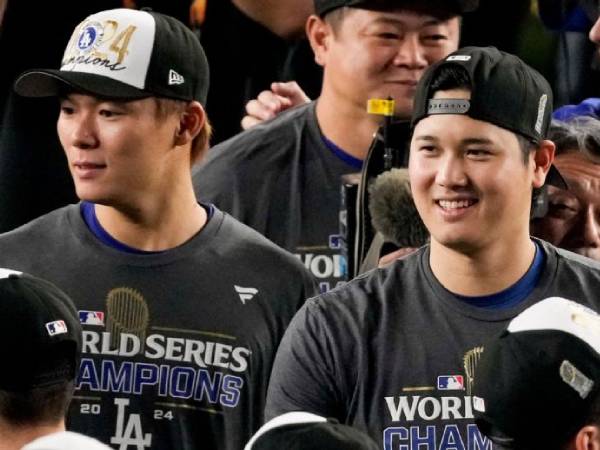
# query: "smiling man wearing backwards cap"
(182, 306)
(538, 384)
(393, 352)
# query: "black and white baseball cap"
(126, 54)
(536, 383)
(306, 431)
(504, 91)
(40, 333)
(455, 7)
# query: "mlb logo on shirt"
(56, 327)
(91, 317)
(450, 383)
(335, 241)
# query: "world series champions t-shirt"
(281, 179)
(395, 354)
(177, 345)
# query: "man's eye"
(108, 113)
(436, 37)
(66, 109)
(478, 153)
(561, 209)
(388, 35)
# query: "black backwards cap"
(504, 91)
(537, 381)
(126, 54)
(40, 332)
(306, 431)
(456, 7)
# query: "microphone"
(393, 211)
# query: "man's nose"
(411, 53)
(451, 172)
(83, 134)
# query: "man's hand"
(268, 104)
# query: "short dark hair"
(456, 77)
(578, 134)
(592, 417)
(37, 406)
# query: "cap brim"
(48, 83)
(555, 178)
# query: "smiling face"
(118, 152)
(375, 54)
(573, 219)
(469, 181)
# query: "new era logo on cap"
(56, 327)
(175, 78)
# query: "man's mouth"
(455, 204)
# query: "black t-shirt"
(394, 353)
(283, 181)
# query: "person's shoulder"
(243, 240)
(374, 288)
(274, 134)
(568, 257)
(44, 227)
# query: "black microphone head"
(393, 211)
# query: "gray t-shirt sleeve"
(303, 376)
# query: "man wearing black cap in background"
(182, 306)
(393, 352)
(41, 345)
(283, 178)
(538, 383)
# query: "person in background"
(41, 345)
(537, 385)
(572, 220)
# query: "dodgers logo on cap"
(90, 37)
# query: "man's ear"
(543, 158)
(191, 121)
(319, 33)
(587, 438)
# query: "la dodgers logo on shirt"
(56, 327)
(450, 383)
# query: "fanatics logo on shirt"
(450, 383)
(245, 293)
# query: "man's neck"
(346, 125)
(156, 224)
(14, 438)
(482, 272)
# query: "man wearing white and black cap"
(394, 351)
(538, 383)
(283, 177)
(182, 306)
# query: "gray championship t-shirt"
(178, 345)
(394, 353)
(280, 179)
